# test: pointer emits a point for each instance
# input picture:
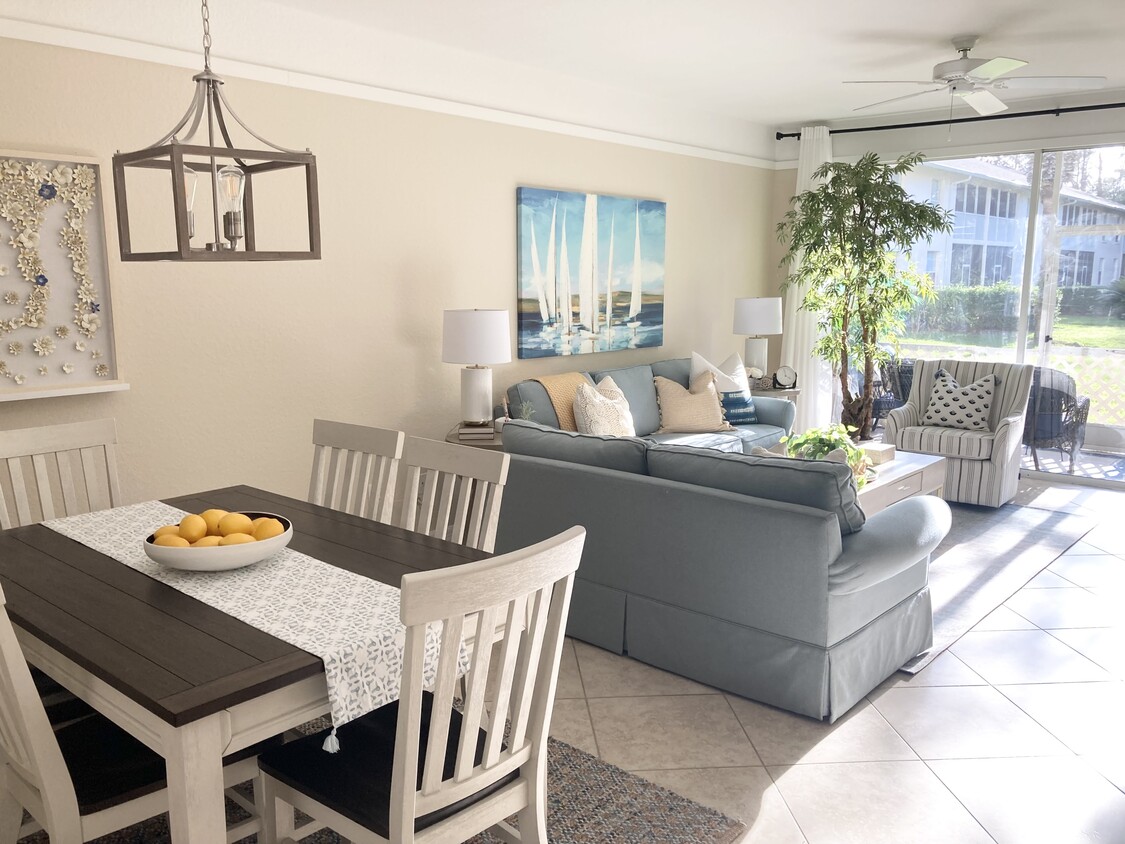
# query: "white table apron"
(351, 622)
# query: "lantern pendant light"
(229, 171)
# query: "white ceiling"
(720, 74)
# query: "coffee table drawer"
(882, 497)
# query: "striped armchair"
(982, 467)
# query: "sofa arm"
(779, 412)
(898, 419)
(1008, 438)
(902, 534)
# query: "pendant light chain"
(206, 14)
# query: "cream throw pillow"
(693, 411)
(603, 410)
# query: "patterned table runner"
(351, 622)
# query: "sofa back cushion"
(813, 483)
(625, 454)
(674, 369)
(636, 383)
(532, 394)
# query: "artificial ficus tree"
(844, 240)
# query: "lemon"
(268, 528)
(207, 542)
(171, 540)
(172, 529)
(193, 528)
(212, 518)
(236, 538)
(235, 523)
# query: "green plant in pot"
(844, 238)
(818, 443)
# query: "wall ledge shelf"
(86, 389)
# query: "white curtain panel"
(819, 403)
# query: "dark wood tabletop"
(178, 657)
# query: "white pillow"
(730, 375)
(603, 410)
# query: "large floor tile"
(1103, 645)
(1003, 618)
(1047, 579)
(570, 722)
(1090, 569)
(875, 803)
(1108, 538)
(1063, 608)
(688, 731)
(606, 674)
(744, 793)
(1025, 656)
(782, 738)
(955, 722)
(945, 670)
(1037, 801)
(1086, 717)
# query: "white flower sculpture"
(62, 332)
(11, 298)
(43, 346)
(15, 347)
(101, 370)
(67, 368)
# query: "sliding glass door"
(1033, 271)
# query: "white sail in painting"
(537, 274)
(549, 275)
(566, 305)
(588, 265)
(635, 299)
(609, 279)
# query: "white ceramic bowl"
(221, 557)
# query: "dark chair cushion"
(356, 781)
(109, 767)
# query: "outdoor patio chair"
(1056, 415)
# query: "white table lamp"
(476, 338)
(757, 317)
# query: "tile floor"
(1015, 734)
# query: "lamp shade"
(757, 316)
(479, 337)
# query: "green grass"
(1090, 332)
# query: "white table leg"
(196, 810)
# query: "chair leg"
(277, 816)
(1035, 457)
(533, 816)
(11, 817)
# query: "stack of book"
(475, 431)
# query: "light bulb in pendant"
(232, 184)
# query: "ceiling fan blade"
(983, 102)
(896, 99)
(888, 82)
(995, 67)
(1076, 82)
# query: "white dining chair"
(58, 470)
(355, 468)
(453, 491)
(418, 770)
(88, 778)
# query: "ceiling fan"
(974, 80)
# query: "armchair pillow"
(603, 410)
(693, 411)
(733, 386)
(954, 406)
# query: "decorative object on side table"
(227, 171)
(785, 378)
(618, 288)
(878, 453)
(476, 337)
(492, 439)
(817, 443)
(757, 317)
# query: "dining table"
(188, 680)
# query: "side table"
(495, 442)
(790, 394)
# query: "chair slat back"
(27, 744)
(453, 491)
(529, 590)
(57, 470)
(355, 468)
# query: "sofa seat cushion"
(718, 441)
(760, 435)
(625, 454)
(636, 383)
(948, 442)
(811, 483)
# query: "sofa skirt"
(819, 682)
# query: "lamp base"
(757, 353)
(476, 394)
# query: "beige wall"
(228, 364)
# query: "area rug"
(988, 556)
(588, 802)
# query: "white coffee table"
(907, 475)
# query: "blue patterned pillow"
(739, 407)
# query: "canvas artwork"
(590, 274)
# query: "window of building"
(964, 264)
(998, 264)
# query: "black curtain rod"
(1044, 112)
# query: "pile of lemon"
(217, 527)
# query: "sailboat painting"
(590, 273)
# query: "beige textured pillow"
(693, 411)
(603, 410)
